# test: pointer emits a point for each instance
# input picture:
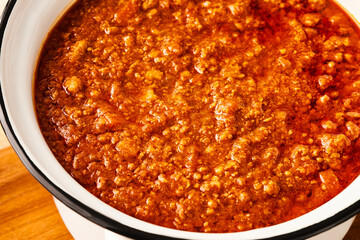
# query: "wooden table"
(27, 210)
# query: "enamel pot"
(24, 26)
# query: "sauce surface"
(207, 116)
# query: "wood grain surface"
(354, 232)
(27, 210)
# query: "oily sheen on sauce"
(207, 116)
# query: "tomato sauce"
(206, 116)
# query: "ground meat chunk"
(68, 133)
(271, 187)
(330, 181)
(154, 75)
(232, 71)
(325, 81)
(240, 150)
(127, 148)
(310, 19)
(148, 4)
(297, 31)
(107, 117)
(329, 125)
(78, 50)
(239, 8)
(335, 42)
(300, 151)
(302, 161)
(125, 12)
(224, 111)
(334, 143)
(73, 84)
(353, 130)
(317, 4)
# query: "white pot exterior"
(26, 29)
(83, 229)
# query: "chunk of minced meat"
(301, 160)
(233, 71)
(179, 2)
(78, 50)
(330, 181)
(334, 143)
(299, 151)
(226, 106)
(127, 147)
(126, 12)
(69, 133)
(297, 30)
(225, 110)
(310, 19)
(239, 8)
(271, 154)
(271, 188)
(325, 81)
(148, 95)
(323, 100)
(317, 5)
(107, 117)
(353, 130)
(258, 135)
(154, 75)
(335, 42)
(353, 114)
(240, 150)
(73, 84)
(269, 157)
(328, 125)
(172, 47)
(148, 4)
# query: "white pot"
(81, 228)
(24, 26)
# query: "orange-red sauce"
(210, 116)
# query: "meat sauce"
(206, 116)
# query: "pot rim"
(107, 222)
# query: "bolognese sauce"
(204, 115)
